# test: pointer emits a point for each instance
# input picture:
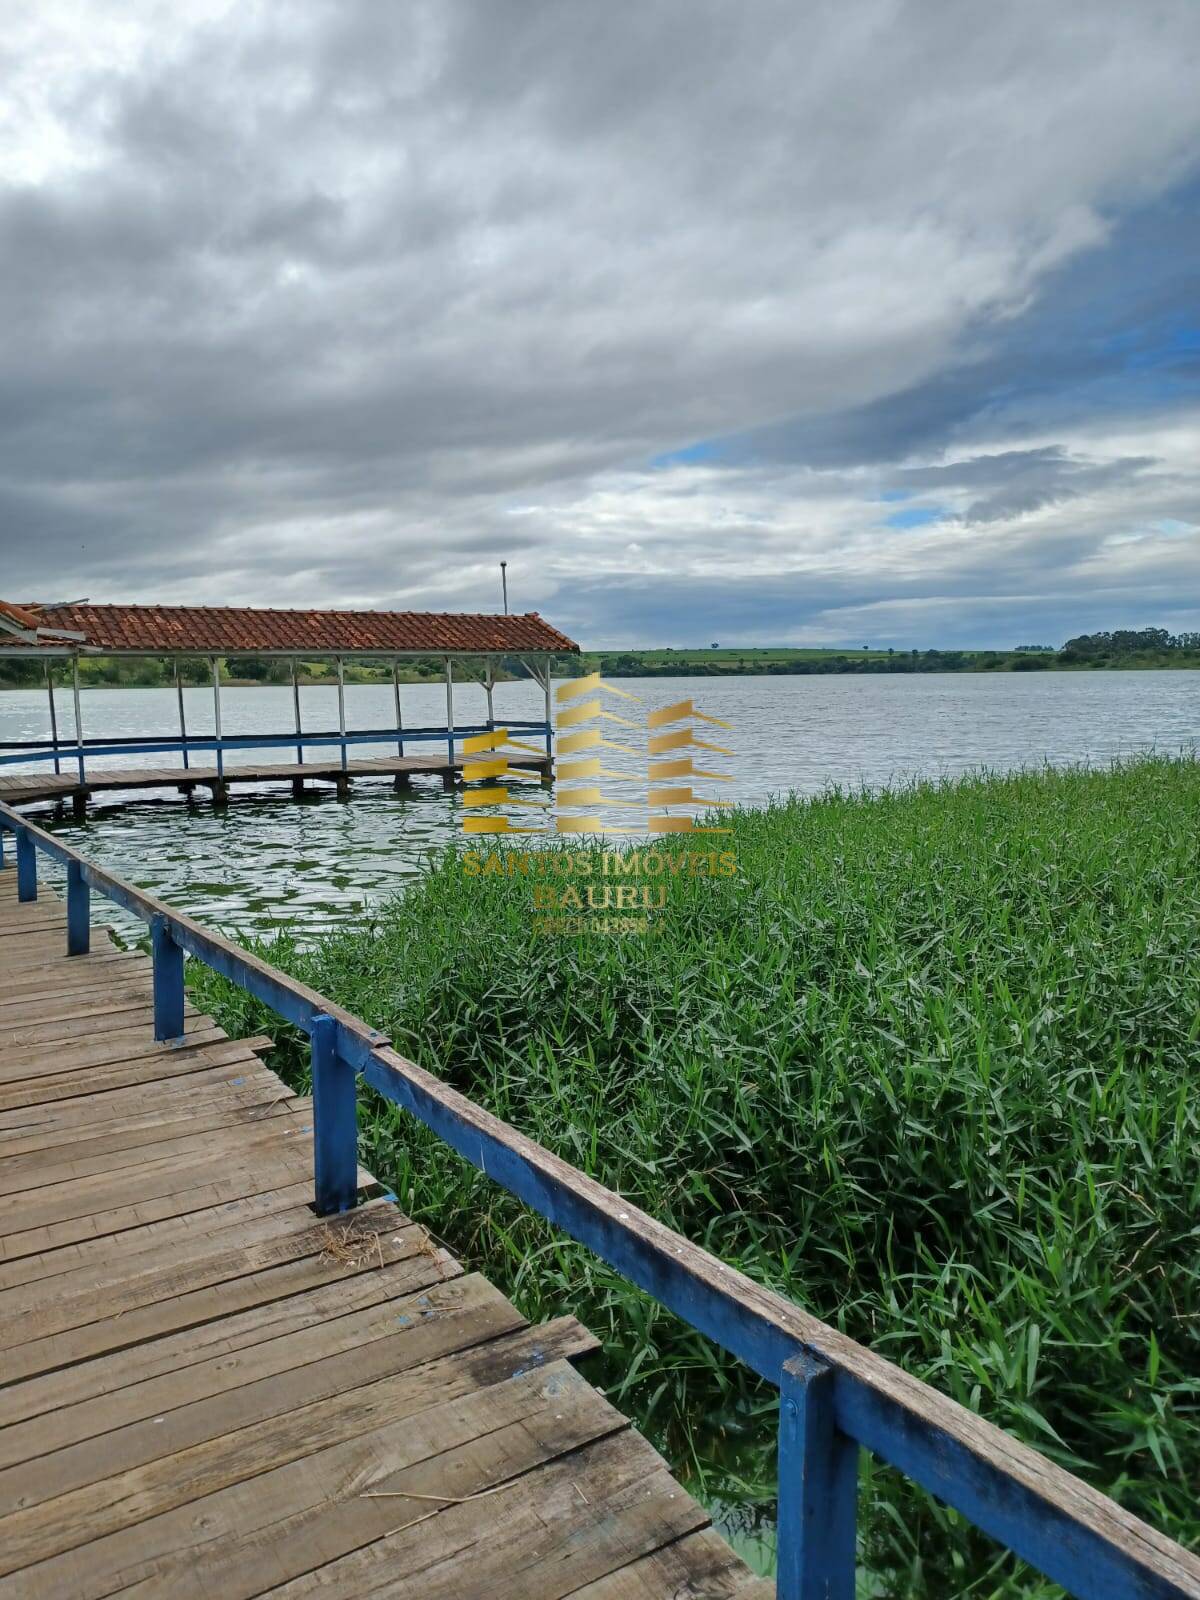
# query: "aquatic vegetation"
(926, 1064)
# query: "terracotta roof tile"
(23, 618)
(237, 630)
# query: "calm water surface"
(268, 858)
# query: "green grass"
(927, 1065)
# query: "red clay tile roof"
(23, 619)
(237, 630)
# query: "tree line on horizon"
(1120, 647)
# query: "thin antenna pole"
(504, 583)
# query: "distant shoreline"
(1126, 650)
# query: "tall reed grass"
(927, 1065)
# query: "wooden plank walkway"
(207, 1391)
(18, 788)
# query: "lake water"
(319, 862)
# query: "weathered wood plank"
(583, 1516)
(448, 1400)
(419, 1328)
(193, 1056)
(700, 1566)
(344, 1292)
(283, 1277)
(43, 1174)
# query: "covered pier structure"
(479, 647)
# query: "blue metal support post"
(335, 1122)
(168, 981)
(79, 911)
(26, 867)
(818, 1487)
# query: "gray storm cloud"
(316, 303)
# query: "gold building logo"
(490, 772)
(619, 769)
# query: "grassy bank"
(927, 1065)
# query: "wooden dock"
(20, 788)
(208, 1391)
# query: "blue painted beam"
(168, 980)
(335, 1123)
(79, 911)
(818, 1487)
(38, 751)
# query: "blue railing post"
(335, 1123)
(79, 911)
(168, 981)
(818, 1487)
(26, 867)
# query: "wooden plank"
(420, 1328)
(149, 1180)
(417, 1283)
(100, 1134)
(290, 1272)
(42, 1170)
(94, 1262)
(241, 1080)
(223, 1338)
(76, 972)
(544, 1507)
(95, 999)
(138, 1213)
(160, 1275)
(304, 1458)
(446, 1401)
(191, 1057)
(97, 1021)
(700, 1565)
(107, 1046)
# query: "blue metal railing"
(13, 752)
(835, 1396)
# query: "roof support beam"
(53, 718)
(78, 714)
(296, 705)
(182, 715)
(216, 677)
(396, 697)
(341, 672)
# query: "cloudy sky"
(801, 322)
